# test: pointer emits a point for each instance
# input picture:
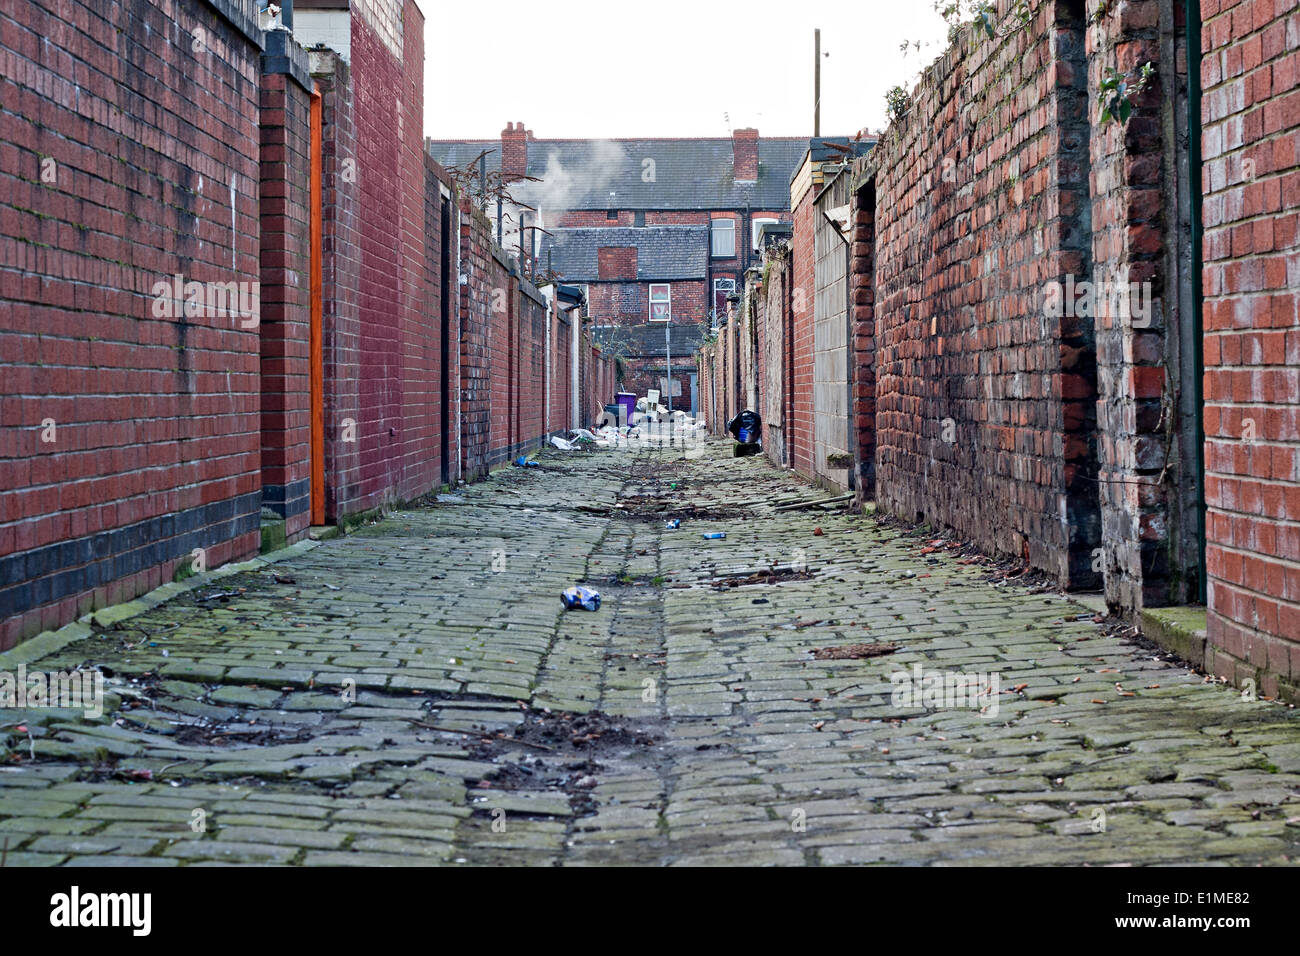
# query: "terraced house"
(658, 231)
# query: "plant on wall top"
(896, 103)
(1115, 92)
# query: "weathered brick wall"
(502, 355)
(981, 399)
(776, 295)
(128, 437)
(1144, 354)
(530, 375)
(475, 339)
(284, 190)
(504, 365)
(863, 330)
(1250, 115)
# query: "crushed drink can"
(674, 524)
(583, 598)
(715, 535)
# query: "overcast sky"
(574, 68)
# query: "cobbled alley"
(415, 692)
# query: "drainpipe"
(1193, 21)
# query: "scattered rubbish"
(523, 461)
(818, 531)
(674, 524)
(580, 597)
(773, 575)
(853, 651)
(333, 587)
(561, 444)
(285, 579)
(715, 535)
(798, 505)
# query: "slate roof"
(688, 173)
(647, 341)
(663, 252)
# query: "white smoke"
(584, 180)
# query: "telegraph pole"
(817, 82)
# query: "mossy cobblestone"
(353, 703)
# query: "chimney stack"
(744, 154)
(514, 150)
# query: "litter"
(561, 444)
(715, 535)
(523, 461)
(674, 524)
(580, 597)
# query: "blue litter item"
(674, 524)
(581, 598)
(715, 535)
(523, 461)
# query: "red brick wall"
(976, 387)
(476, 318)
(156, 441)
(800, 425)
(561, 375)
(502, 358)
(1250, 115)
(386, 276)
(504, 365)
(285, 166)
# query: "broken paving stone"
(853, 651)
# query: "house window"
(758, 225)
(611, 214)
(724, 238)
(721, 289)
(661, 304)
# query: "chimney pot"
(514, 150)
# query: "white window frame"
(667, 296)
(759, 224)
(719, 227)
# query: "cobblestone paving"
(413, 694)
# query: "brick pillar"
(285, 171)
